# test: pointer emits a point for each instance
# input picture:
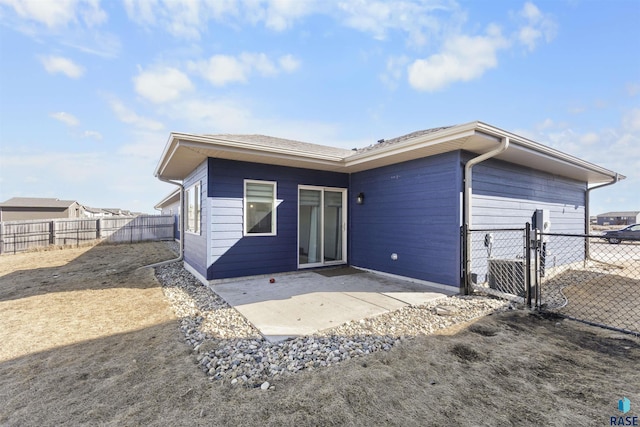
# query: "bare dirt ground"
(86, 339)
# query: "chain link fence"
(588, 279)
(582, 277)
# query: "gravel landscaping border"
(228, 347)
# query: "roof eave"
(474, 136)
(551, 153)
(199, 148)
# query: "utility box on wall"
(542, 221)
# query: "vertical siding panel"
(411, 209)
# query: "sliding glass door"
(321, 226)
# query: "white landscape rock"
(227, 346)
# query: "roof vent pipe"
(467, 205)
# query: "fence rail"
(18, 236)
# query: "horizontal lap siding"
(231, 253)
(195, 245)
(412, 209)
(506, 196)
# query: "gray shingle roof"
(385, 143)
(36, 202)
(271, 142)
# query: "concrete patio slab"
(302, 303)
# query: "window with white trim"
(259, 208)
(192, 197)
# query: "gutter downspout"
(181, 246)
(468, 193)
(587, 217)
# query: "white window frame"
(274, 204)
(193, 218)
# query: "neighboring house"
(117, 212)
(90, 212)
(619, 218)
(25, 208)
(260, 205)
(170, 205)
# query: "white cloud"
(616, 148)
(128, 116)
(141, 11)
(224, 69)
(105, 45)
(280, 15)
(631, 120)
(420, 20)
(58, 64)
(546, 124)
(463, 58)
(589, 138)
(288, 63)
(66, 167)
(260, 62)
(221, 70)
(181, 18)
(71, 23)
(72, 121)
(395, 68)
(203, 115)
(632, 89)
(121, 176)
(537, 26)
(58, 13)
(161, 84)
(66, 118)
(91, 134)
(224, 116)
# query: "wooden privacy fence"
(17, 236)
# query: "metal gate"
(498, 262)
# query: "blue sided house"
(256, 204)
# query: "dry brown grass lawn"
(88, 340)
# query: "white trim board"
(454, 289)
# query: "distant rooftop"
(624, 213)
(36, 202)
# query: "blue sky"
(90, 90)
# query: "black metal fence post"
(527, 263)
(465, 286)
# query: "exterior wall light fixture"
(360, 198)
